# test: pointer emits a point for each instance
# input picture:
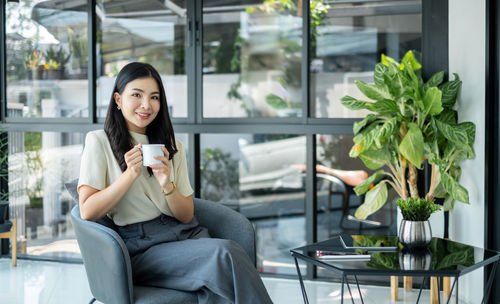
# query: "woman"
(153, 206)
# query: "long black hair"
(159, 131)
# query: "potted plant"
(55, 62)
(413, 125)
(33, 64)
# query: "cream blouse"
(144, 200)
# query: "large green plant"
(413, 123)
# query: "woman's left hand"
(162, 170)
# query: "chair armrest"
(225, 223)
(106, 260)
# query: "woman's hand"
(162, 170)
(133, 159)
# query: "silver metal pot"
(419, 259)
(415, 234)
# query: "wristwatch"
(169, 192)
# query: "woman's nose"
(146, 104)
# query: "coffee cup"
(149, 151)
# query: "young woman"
(153, 206)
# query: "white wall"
(467, 58)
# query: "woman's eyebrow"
(142, 91)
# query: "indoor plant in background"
(413, 125)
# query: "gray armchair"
(107, 261)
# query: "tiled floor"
(37, 282)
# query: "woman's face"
(139, 103)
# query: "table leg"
(394, 288)
(342, 291)
(349, 288)
(421, 286)
(456, 300)
(359, 290)
(304, 294)
(434, 290)
(490, 281)
(408, 283)
(451, 290)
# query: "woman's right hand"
(133, 159)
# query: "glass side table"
(442, 258)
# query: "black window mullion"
(92, 72)
(3, 63)
(311, 198)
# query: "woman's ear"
(116, 96)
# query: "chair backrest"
(106, 261)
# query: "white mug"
(148, 151)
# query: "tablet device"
(341, 256)
(348, 241)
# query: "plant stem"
(402, 177)
(412, 180)
(395, 182)
(435, 179)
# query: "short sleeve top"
(144, 200)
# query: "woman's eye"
(156, 97)
(136, 95)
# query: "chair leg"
(14, 242)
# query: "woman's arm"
(94, 203)
(182, 207)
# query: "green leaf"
(374, 200)
(359, 125)
(470, 129)
(410, 59)
(354, 104)
(432, 102)
(450, 91)
(374, 92)
(386, 60)
(434, 81)
(386, 106)
(448, 116)
(454, 188)
(412, 145)
(365, 185)
(276, 102)
(374, 159)
(388, 129)
(452, 133)
(449, 203)
(378, 75)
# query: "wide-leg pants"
(167, 253)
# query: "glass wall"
(47, 59)
(346, 43)
(146, 31)
(39, 165)
(262, 177)
(252, 59)
(250, 70)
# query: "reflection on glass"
(337, 175)
(47, 59)
(147, 31)
(262, 177)
(39, 165)
(252, 59)
(347, 40)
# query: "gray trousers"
(167, 253)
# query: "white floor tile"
(38, 282)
